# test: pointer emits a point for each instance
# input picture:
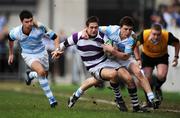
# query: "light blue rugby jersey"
(112, 32)
(32, 43)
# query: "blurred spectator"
(157, 16)
(168, 17)
(3, 44)
(176, 13)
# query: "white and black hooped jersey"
(90, 50)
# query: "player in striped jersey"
(97, 63)
(30, 35)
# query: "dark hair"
(25, 14)
(91, 20)
(156, 26)
(127, 20)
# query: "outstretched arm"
(72, 40)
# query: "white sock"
(79, 92)
(150, 96)
(33, 74)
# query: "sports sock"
(79, 92)
(115, 88)
(46, 88)
(134, 97)
(150, 96)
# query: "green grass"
(20, 101)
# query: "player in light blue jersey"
(30, 35)
(123, 44)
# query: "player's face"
(155, 34)
(27, 23)
(126, 31)
(92, 29)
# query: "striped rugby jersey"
(90, 50)
(113, 33)
(32, 43)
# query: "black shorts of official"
(152, 62)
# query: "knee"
(129, 81)
(113, 74)
(41, 73)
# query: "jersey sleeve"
(71, 40)
(129, 47)
(50, 33)
(105, 29)
(172, 39)
(13, 34)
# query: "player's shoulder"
(114, 27)
(15, 30)
(132, 39)
(76, 35)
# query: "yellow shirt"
(155, 50)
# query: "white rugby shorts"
(95, 71)
(42, 57)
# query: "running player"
(155, 43)
(30, 38)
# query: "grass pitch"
(20, 101)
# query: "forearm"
(120, 55)
(56, 42)
(137, 53)
(11, 45)
(177, 47)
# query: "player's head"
(126, 25)
(92, 25)
(156, 31)
(26, 18)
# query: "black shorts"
(152, 62)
